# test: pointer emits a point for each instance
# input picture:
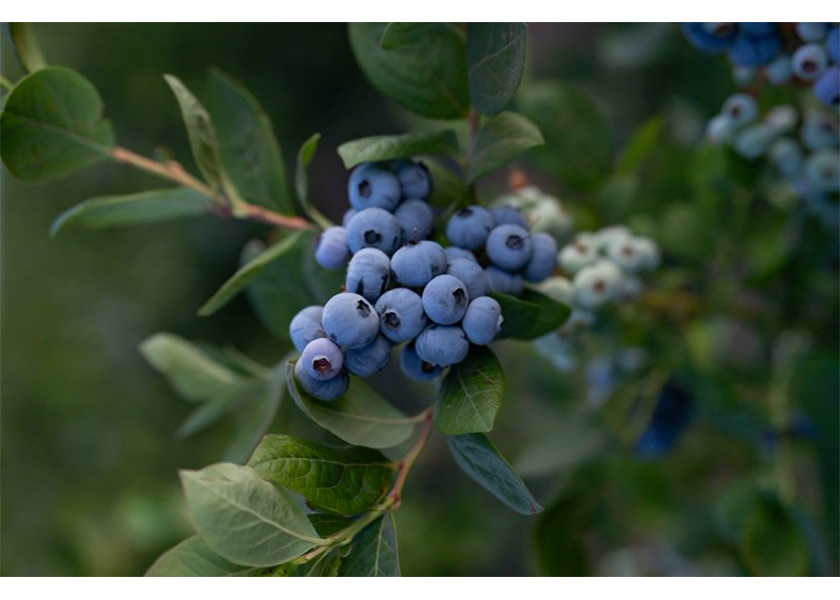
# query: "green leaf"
(52, 125)
(530, 315)
(578, 142)
(374, 552)
(246, 274)
(248, 148)
(134, 209)
(200, 131)
(244, 518)
(495, 63)
(772, 544)
(646, 140)
(343, 480)
(327, 524)
(471, 394)
(423, 69)
(389, 147)
(194, 558)
(500, 141)
(360, 417)
(26, 46)
(304, 158)
(481, 461)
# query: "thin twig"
(6, 83)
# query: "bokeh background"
(89, 452)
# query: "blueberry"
(332, 389)
(468, 228)
(351, 212)
(819, 130)
(759, 29)
(755, 140)
(504, 282)
(414, 178)
(445, 299)
(415, 218)
(630, 289)
(624, 252)
(442, 346)
(543, 259)
(832, 44)
(454, 253)
(368, 273)
(558, 289)
(812, 32)
(827, 88)
(579, 254)
(780, 70)
(364, 362)
(415, 265)
(371, 186)
(751, 51)
(509, 247)
(548, 216)
(596, 285)
(786, 155)
(606, 236)
(415, 367)
(306, 326)
(471, 275)
(483, 321)
(744, 76)
(710, 39)
(508, 215)
(782, 118)
(649, 252)
(401, 315)
(350, 321)
(720, 129)
(331, 248)
(822, 170)
(322, 359)
(810, 61)
(742, 109)
(374, 228)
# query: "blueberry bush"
(657, 298)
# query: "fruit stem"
(408, 461)
(6, 83)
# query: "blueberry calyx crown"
(322, 364)
(365, 189)
(515, 242)
(391, 319)
(372, 236)
(460, 297)
(363, 307)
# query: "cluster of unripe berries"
(804, 152)
(805, 53)
(401, 287)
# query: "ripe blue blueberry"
(442, 345)
(401, 315)
(364, 362)
(415, 265)
(543, 258)
(322, 359)
(374, 228)
(710, 39)
(810, 61)
(415, 218)
(415, 367)
(819, 130)
(468, 228)
(758, 29)
(331, 248)
(351, 212)
(508, 215)
(454, 253)
(749, 51)
(332, 389)
(504, 282)
(832, 44)
(471, 275)
(350, 321)
(812, 32)
(369, 273)
(827, 88)
(414, 178)
(822, 170)
(509, 247)
(445, 299)
(786, 155)
(780, 70)
(742, 109)
(371, 186)
(483, 321)
(306, 326)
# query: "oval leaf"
(389, 147)
(194, 558)
(304, 158)
(248, 148)
(481, 461)
(244, 518)
(531, 315)
(425, 71)
(495, 63)
(500, 141)
(134, 209)
(343, 480)
(360, 417)
(374, 552)
(52, 125)
(471, 394)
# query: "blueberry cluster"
(780, 52)
(402, 287)
(543, 211)
(803, 151)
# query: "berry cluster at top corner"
(803, 149)
(804, 53)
